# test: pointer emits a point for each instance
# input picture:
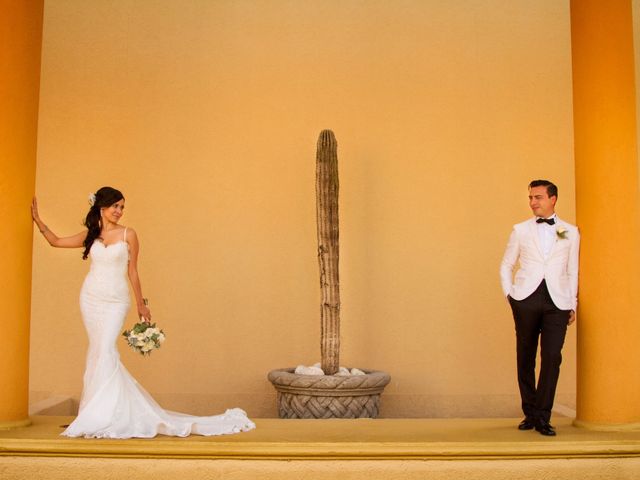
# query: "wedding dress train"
(113, 404)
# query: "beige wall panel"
(205, 114)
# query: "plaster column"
(608, 214)
(21, 27)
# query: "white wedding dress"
(113, 404)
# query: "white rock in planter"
(313, 370)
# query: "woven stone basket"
(328, 396)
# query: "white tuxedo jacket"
(559, 269)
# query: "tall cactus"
(328, 249)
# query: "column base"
(606, 427)
(15, 424)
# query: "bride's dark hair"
(105, 197)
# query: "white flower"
(561, 232)
(92, 199)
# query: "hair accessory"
(92, 199)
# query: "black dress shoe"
(526, 424)
(546, 429)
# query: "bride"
(113, 404)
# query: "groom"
(543, 299)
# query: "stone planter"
(328, 396)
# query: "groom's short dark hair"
(552, 190)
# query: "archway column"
(21, 24)
(608, 214)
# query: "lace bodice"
(111, 257)
(107, 276)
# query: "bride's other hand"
(144, 313)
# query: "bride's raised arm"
(74, 241)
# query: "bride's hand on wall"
(35, 216)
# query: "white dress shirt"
(547, 236)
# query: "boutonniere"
(562, 232)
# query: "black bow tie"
(550, 221)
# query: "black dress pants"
(537, 318)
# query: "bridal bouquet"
(144, 337)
